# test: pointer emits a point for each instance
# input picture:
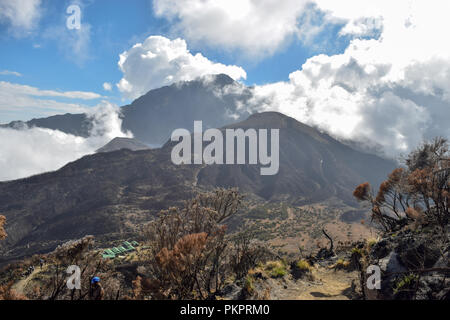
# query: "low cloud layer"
(159, 61)
(41, 150)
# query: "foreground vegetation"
(412, 207)
(188, 252)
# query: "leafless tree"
(192, 252)
(77, 253)
(418, 193)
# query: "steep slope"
(100, 194)
(313, 166)
(214, 100)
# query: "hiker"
(41, 262)
(29, 271)
(96, 292)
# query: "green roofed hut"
(108, 254)
(126, 247)
(116, 250)
(109, 251)
(122, 249)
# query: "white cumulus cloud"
(20, 15)
(159, 61)
(107, 86)
(392, 90)
(259, 28)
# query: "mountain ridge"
(115, 193)
(179, 104)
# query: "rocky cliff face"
(414, 264)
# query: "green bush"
(405, 283)
(276, 269)
(303, 265)
(248, 285)
(357, 251)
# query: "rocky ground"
(414, 264)
(325, 284)
(311, 278)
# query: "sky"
(377, 72)
(38, 50)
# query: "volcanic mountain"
(110, 194)
(313, 165)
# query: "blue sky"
(45, 62)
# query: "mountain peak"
(120, 143)
(221, 79)
(211, 80)
(276, 120)
(270, 116)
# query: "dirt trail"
(291, 215)
(327, 285)
(20, 286)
